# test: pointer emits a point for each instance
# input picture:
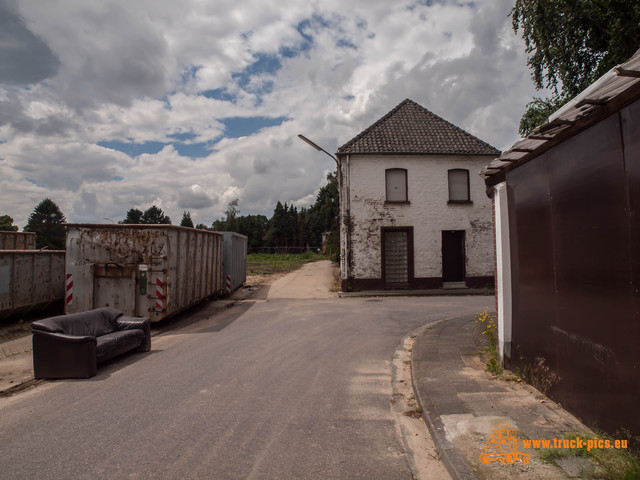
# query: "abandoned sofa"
(72, 346)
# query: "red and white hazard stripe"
(228, 283)
(69, 289)
(160, 294)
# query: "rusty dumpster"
(152, 271)
(17, 241)
(30, 280)
(234, 260)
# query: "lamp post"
(343, 220)
(320, 149)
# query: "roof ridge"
(380, 120)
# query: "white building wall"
(427, 212)
(503, 260)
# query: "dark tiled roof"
(410, 128)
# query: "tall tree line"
(289, 229)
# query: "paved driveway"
(271, 388)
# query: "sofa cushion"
(115, 343)
(94, 323)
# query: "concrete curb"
(456, 464)
(419, 293)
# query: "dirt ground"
(312, 280)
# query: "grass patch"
(268, 263)
(610, 463)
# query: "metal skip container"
(234, 263)
(30, 280)
(17, 241)
(152, 271)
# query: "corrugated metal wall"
(234, 264)
(17, 241)
(575, 248)
(30, 280)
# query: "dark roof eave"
(475, 154)
(608, 95)
(581, 124)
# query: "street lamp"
(320, 149)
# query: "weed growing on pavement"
(538, 374)
(611, 463)
(488, 324)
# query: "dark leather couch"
(72, 346)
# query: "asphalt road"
(270, 388)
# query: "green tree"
(46, 222)
(255, 228)
(134, 217)
(538, 111)
(6, 224)
(186, 220)
(573, 42)
(155, 216)
(202, 226)
(276, 235)
(229, 224)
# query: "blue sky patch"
(183, 137)
(264, 64)
(236, 127)
(189, 73)
(35, 182)
(193, 150)
(133, 149)
(219, 94)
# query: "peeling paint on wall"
(427, 210)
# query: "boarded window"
(396, 259)
(458, 185)
(396, 181)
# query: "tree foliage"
(571, 43)
(46, 222)
(186, 220)
(133, 217)
(6, 224)
(151, 216)
(155, 216)
(538, 111)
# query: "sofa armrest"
(57, 355)
(143, 323)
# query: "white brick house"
(414, 212)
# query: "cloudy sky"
(111, 105)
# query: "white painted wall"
(428, 212)
(503, 258)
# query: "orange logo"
(502, 447)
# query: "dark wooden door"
(453, 256)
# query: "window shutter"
(396, 181)
(458, 185)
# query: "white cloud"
(124, 73)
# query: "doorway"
(453, 256)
